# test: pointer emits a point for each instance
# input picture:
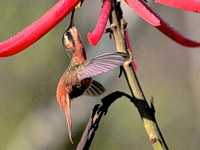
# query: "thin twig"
(96, 115)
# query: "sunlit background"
(30, 117)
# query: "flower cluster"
(58, 12)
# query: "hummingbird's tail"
(64, 102)
(69, 123)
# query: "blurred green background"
(30, 118)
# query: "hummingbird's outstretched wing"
(101, 64)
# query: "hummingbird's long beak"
(72, 19)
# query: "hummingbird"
(77, 79)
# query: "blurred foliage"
(30, 116)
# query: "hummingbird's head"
(71, 38)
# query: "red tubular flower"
(37, 29)
(143, 10)
(40, 27)
(189, 5)
(95, 36)
(162, 26)
(175, 35)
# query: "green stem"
(146, 112)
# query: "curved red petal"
(175, 35)
(151, 17)
(98, 31)
(37, 29)
(189, 5)
(144, 11)
(93, 39)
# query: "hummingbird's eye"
(67, 33)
